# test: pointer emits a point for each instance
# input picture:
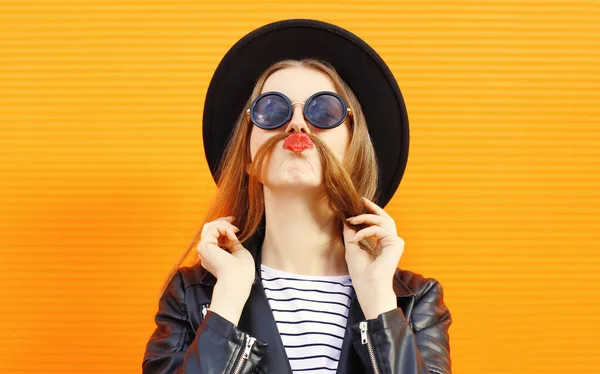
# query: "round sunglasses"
(323, 109)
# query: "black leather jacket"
(189, 338)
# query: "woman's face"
(285, 167)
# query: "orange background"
(103, 179)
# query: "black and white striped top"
(311, 314)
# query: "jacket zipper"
(366, 339)
(244, 356)
(204, 310)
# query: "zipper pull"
(363, 332)
(204, 310)
(249, 345)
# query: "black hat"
(356, 62)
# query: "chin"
(290, 180)
(295, 183)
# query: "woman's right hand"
(235, 268)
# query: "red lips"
(298, 142)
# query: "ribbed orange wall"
(103, 179)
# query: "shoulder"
(193, 276)
(190, 283)
(188, 295)
(428, 306)
(415, 283)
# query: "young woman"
(298, 262)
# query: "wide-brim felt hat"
(357, 63)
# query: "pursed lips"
(298, 143)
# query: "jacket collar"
(258, 321)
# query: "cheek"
(257, 139)
(254, 143)
(339, 141)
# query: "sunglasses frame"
(250, 112)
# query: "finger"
(374, 207)
(212, 234)
(212, 254)
(221, 221)
(376, 231)
(367, 218)
(235, 244)
(213, 230)
(348, 231)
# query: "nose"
(297, 122)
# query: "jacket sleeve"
(217, 346)
(391, 343)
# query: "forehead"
(298, 83)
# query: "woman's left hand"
(372, 278)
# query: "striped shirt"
(311, 314)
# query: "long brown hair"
(240, 192)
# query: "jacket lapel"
(257, 318)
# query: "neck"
(300, 235)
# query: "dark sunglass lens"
(271, 111)
(325, 111)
